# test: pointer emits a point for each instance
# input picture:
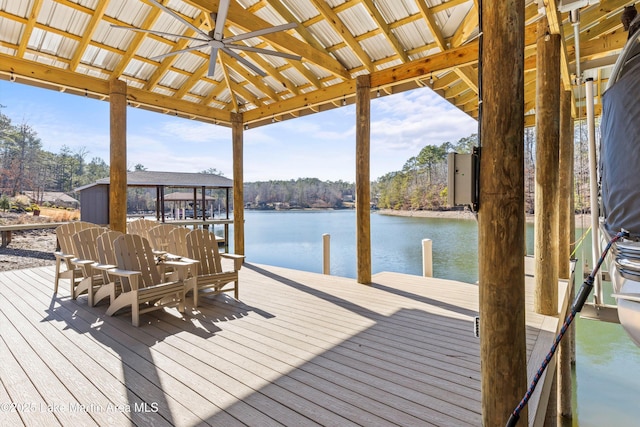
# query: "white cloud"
(319, 145)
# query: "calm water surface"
(607, 380)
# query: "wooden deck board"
(299, 349)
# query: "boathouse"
(95, 201)
(507, 63)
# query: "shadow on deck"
(300, 349)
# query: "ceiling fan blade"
(180, 18)
(244, 61)
(221, 17)
(212, 61)
(175, 52)
(261, 32)
(264, 51)
(159, 33)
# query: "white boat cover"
(620, 148)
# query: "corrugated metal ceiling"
(337, 40)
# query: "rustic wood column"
(501, 213)
(567, 233)
(363, 179)
(238, 183)
(118, 156)
(565, 185)
(547, 169)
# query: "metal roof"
(169, 179)
(70, 45)
(184, 197)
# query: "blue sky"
(317, 146)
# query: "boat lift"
(618, 206)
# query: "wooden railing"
(6, 230)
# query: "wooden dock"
(300, 349)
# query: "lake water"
(607, 377)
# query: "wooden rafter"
(468, 26)
(555, 27)
(293, 88)
(96, 17)
(427, 14)
(289, 17)
(28, 29)
(338, 26)
(250, 22)
(469, 75)
(137, 40)
(385, 29)
(234, 102)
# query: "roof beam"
(456, 57)
(412, 71)
(469, 75)
(249, 22)
(603, 11)
(468, 26)
(87, 35)
(138, 38)
(427, 14)
(28, 29)
(609, 25)
(338, 26)
(289, 17)
(68, 80)
(602, 46)
(167, 62)
(228, 81)
(555, 27)
(386, 31)
(250, 78)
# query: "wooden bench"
(6, 230)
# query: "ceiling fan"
(215, 38)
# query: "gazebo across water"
(182, 202)
(94, 198)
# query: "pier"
(299, 349)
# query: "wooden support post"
(363, 179)
(565, 186)
(503, 358)
(326, 253)
(547, 169)
(427, 258)
(195, 203)
(238, 185)
(118, 156)
(566, 237)
(204, 203)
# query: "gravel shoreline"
(28, 249)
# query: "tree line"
(25, 166)
(299, 193)
(421, 184)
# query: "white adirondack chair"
(141, 227)
(65, 269)
(159, 237)
(202, 246)
(87, 256)
(107, 262)
(142, 287)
